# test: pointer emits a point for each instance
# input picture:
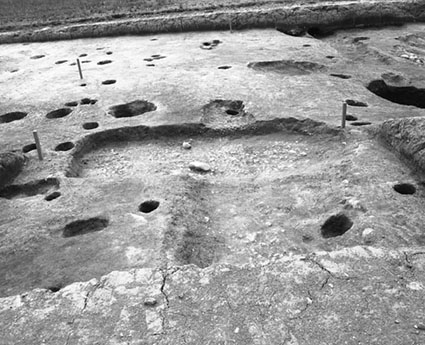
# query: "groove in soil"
(13, 116)
(85, 226)
(56, 114)
(405, 95)
(29, 189)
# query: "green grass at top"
(15, 14)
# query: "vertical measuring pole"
(37, 144)
(79, 68)
(230, 24)
(344, 114)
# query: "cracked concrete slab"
(360, 295)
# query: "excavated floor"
(266, 195)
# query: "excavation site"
(213, 173)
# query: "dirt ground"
(20, 14)
(178, 159)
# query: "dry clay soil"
(237, 254)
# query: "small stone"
(366, 232)
(186, 145)
(251, 237)
(269, 224)
(420, 326)
(353, 204)
(369, 236)
(397, 321)
(150, 302)
(199, 166)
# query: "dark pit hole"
(85, 226)
(108, 53)
(90, 125)
(155, 55)
(306, 45)
(60, 62)
(71, 104)
(207, 44)
(35, 57)
(29, 147)
(66, 146)
(330, 57)
(289, 67)
(29, 189)
(361, 38)
(86, 61)
(85, 101)
(224, 67)
(109, 82)
(83, 55)
(295, 32)
(93, 101)
(13, 116)
(232, 112)
(56, 114)
(360, 123)
(351, 118)
(318, 32)
(405, 188)
(148, 206)
(148, 59)
(54, 288)
(134, 108)
(14, 70)
(100, 48)
(73, 64)
(154, 39)
(52, 196)
(83, 84)
(150, 65)
(216, 42)
(405, 95)
(354, 103)
(104, 62)
(307, 238)
(336, 225)
(342, 76)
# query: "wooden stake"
(79, 68)
(37, 144)
(344, 114)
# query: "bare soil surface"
(21, 14)
(243, 228)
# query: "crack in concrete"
(90, 292)
(69, 336)
(408, 263)
(165, 275)
(309, 303)
(323, 268)
(86, 300)
(325, 282)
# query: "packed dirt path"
(198, 188)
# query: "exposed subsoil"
(206, 172)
